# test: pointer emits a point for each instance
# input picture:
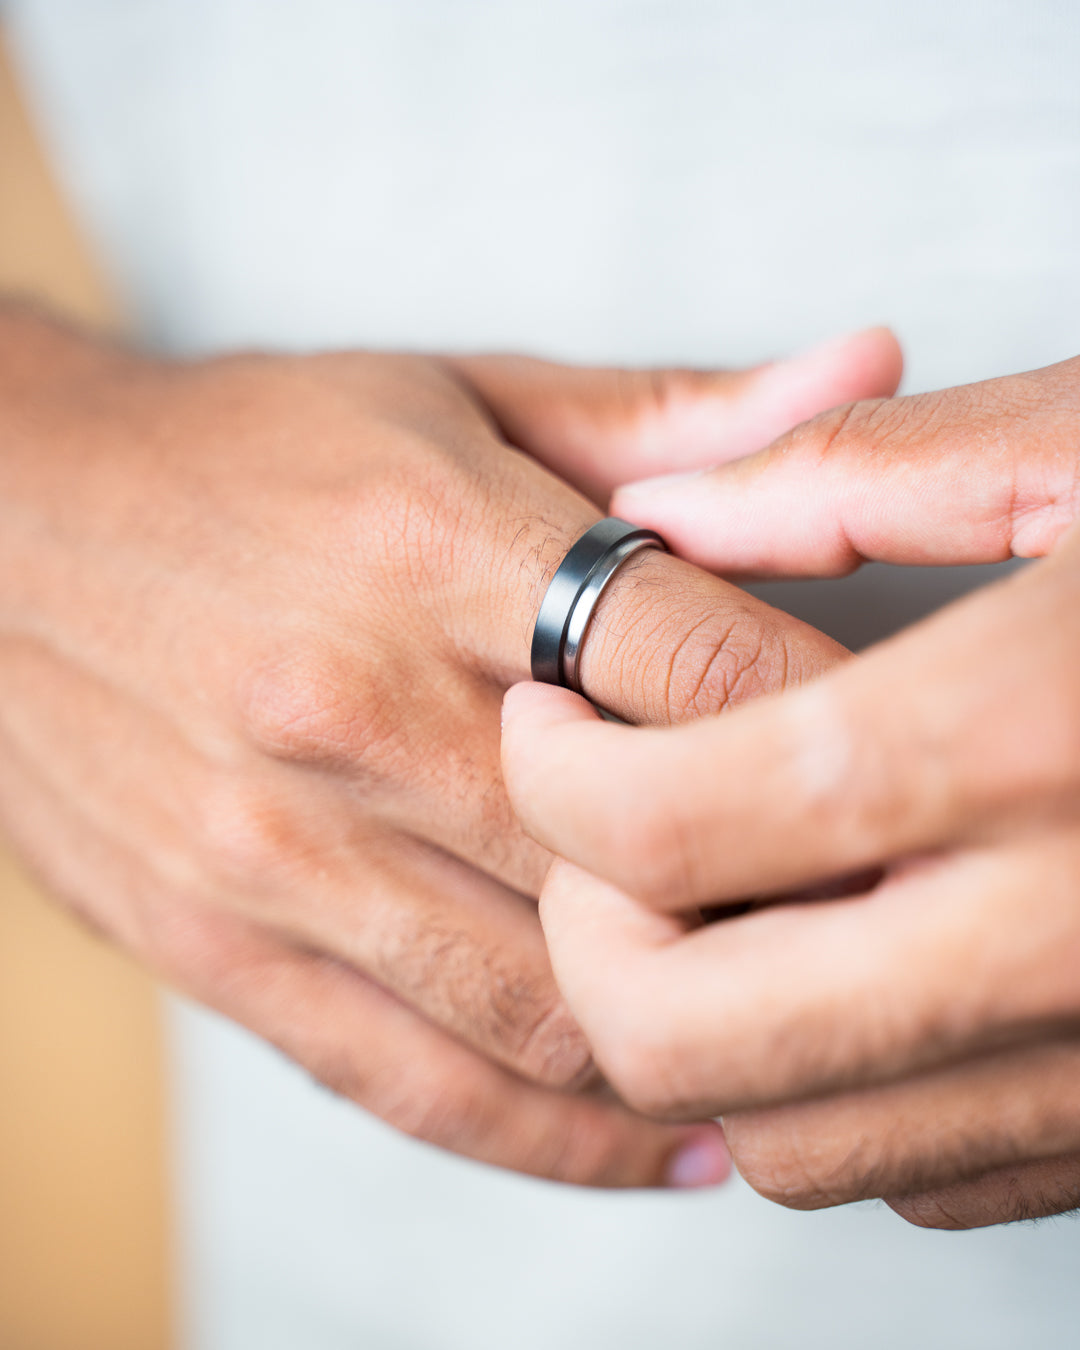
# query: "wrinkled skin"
(917, 1042)
(257, 615)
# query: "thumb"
(974, 474)
(597, 427)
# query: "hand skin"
(256, 618)
(918, 1042)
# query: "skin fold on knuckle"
(936, 1210)
(1044, 505)
(1023, 429)
(429, 1108)
(871, 433)
(661, 662)
(424, 537)
(249, 842)
(669, 643)
(842, 778)
(933, 443)
(712, 665)
(648, 853)
(308, 707)
(476, 1122)
(894, 430)
(193, 948)
(404, 535)
(553, 1050)
(833, 439)
(652, 403)
(759, 653)
(599, 1145)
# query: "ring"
(572, 596)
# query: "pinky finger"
(347, 1031)
(367, 1045)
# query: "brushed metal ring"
(574, 592)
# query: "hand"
(256, 618)
(917, 1041)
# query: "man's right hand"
(256, 618)
(916, 1041)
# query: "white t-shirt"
(647, 181)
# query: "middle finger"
(927, 1133)
(944, 959)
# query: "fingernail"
(703, 1160)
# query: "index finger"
(799, 1000)
(975, 474)
(901, 750)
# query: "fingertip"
(532, 714)
(530, 710)
(865, 364)
(876, 362)
(532, 701)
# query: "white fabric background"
(651, 180)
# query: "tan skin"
(257, 616)
(919, 1042)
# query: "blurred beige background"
(84, 1246)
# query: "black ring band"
(603, 548)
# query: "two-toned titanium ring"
(573, 593)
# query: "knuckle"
(552, 1049)
(934, 1210)
(313, 711)
(791, 1166)
(409, 518)
(462, 981)
(897, 425)
(248, 840)
(653, 395)
(717, 663)
(339, 1068)
(670, 644)
(649, 854)
(844, 782)
(825, 438)
(414, 527)
(849, 431)
(432, 1113)
(580, 1152)
(477, 1125)
(590, 1149)
(205, 953)
(885, 428)
(785, 1182)
(638, 1061)
(434, 1104)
